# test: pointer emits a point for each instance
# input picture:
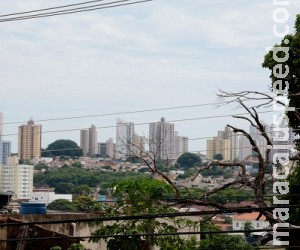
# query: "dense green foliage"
(221, 241)
(142, 196)
(231, 195)
(41, 166)
(61, 205)
(73, 176)
(218, 157)
(290, 76)
(188, 160)
(62, 148)
(86, 204)
(293, 195)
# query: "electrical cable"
(152, 216)
(147, 123)
(81, 9)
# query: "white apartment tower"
(234, 148)
(84, 141)
(17, 178)
(93, 148)
(182, 144)
(138, 145)
(124, 139)
(162, 140)
(88, 141)
(111, 148)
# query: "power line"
(117, 113)
(151, 234)
(75, 10)
(147, 123)
(152, 216)
(51, 8)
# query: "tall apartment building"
(139, 143)
(111, 148)
(84, 141)
(218, 145)
(17, 178)
(162, 139)
(234, 147)
(225, 144)
(93, 140)
(124, 139)
(88, 141)
(29, 143)
(5, 151)
(245, 148)
(260, 141)
(107, 149)
(181, 144)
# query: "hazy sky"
(159, 54)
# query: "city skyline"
(147, 56)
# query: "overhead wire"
(75, 10)
(146, 123)
(150, 216)
(51, 8)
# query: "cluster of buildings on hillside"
(234, 147)
(163, 141)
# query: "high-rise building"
(111, 148)
(245, 148)
(29, 143)
(102, 149)
(93, 148)
(234, 149)
(88, 141)
(17, 178)
(5, 151)
(138, 145)
(124, 139)
(181, 144)
(162, 139)
(84, 141)
(225, 144)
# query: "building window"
(237, 224)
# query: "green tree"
(142, 196)
(61, 205)
(218, 157)
(64, 188)
(290, 74)
(287, 71)
(84, 190)
(220, 241)
(188, 160)
(64, 148)
(85, 204)
(76, 246)
(247, 227)
(56, 248)
(41, 166)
